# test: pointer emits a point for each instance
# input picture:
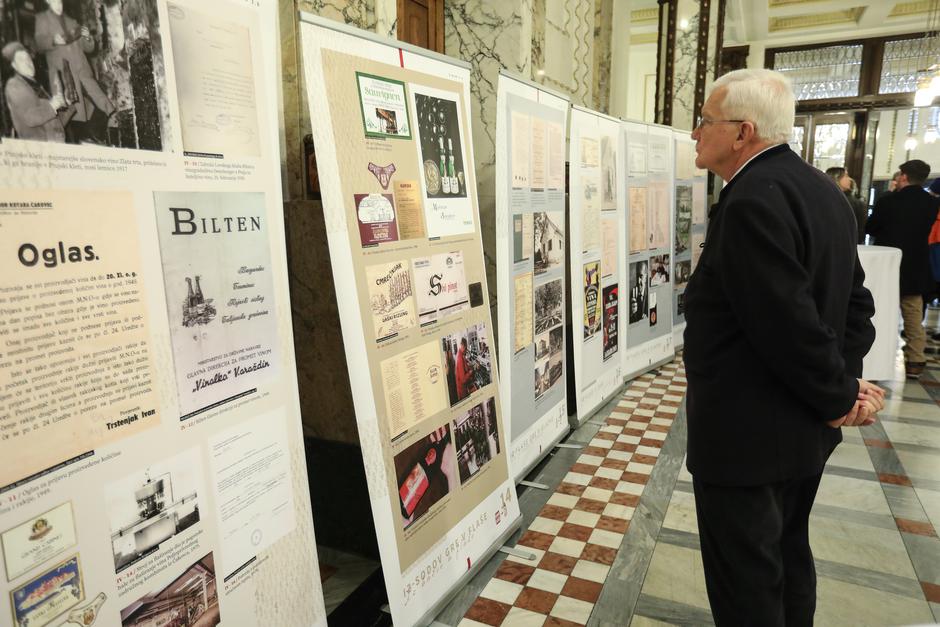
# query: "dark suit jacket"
(903, 220)
(778, 324)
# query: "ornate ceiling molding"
(902, 9)
(846, 16)
(644, 16)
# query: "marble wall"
(603, 29)
(686, 55)
(552, 42)
(325, 398)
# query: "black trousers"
(759, 568)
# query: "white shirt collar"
(751, 159)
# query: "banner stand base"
(617, 392)
(533, 484)
(652, 368)
(511, 550)
(428, 619)
(566, 445)
(542, 455)
(599, 423)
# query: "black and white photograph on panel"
(549, 301)
(683, 272)
(441, 150)
(190, 600)
(548, 372)
(542, 345)
(556, 340)
(467, 362)
(639, 290)
(88, 72)
(683, 217)
(549, 245)
(659, 270)
(148, 507)
(477, 438)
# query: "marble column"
(603, 28)
(689, 44)
(620, 59)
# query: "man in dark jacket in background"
(903, 220)
(778, 322)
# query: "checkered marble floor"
(616, 543)
(873, 528)
(578, 532)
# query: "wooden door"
(421, 22)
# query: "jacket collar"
(770, 152)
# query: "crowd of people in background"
(906, 216)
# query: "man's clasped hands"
(871, 400)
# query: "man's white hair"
(763, 97)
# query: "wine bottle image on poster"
(78, 369)
(448, 210)
(220, 295)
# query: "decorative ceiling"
(793, 22)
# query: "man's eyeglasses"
(705, 122)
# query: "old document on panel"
(215, 84)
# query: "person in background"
(35, 114)
(777, 324)
(464, 371)
(903, 219)
(859, 208)
(893, 185)
(65, 45)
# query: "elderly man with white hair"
(778, 324)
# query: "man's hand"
(873, 393)
(58, 39)
(86, 33)
(57, 101)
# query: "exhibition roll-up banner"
(153, 468)
(597, 215)
(531, 125)
(391, 126)
(690, 216)
(648, 314)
